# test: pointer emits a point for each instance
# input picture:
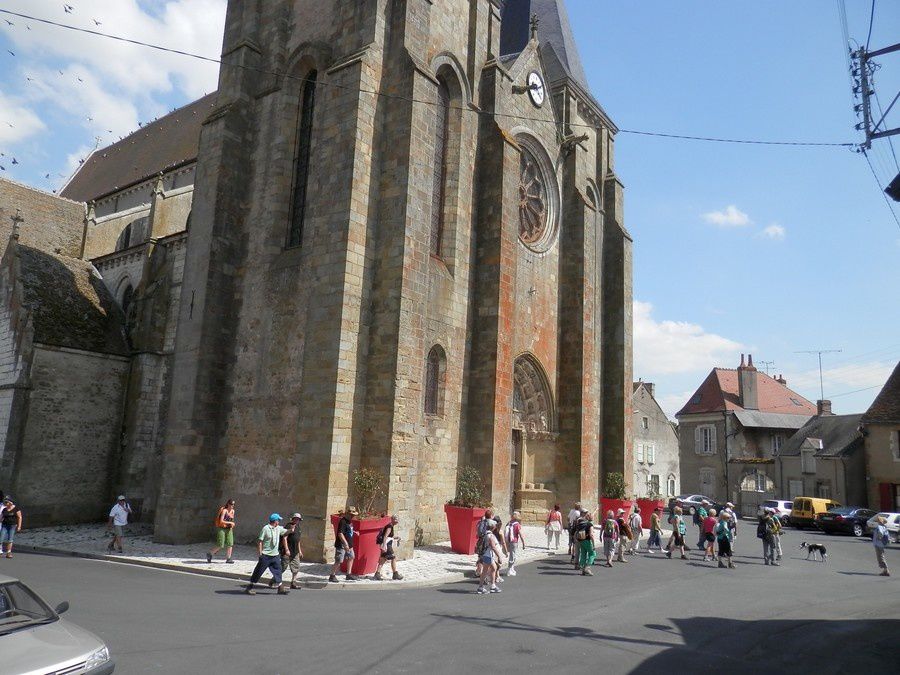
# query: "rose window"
(532, 199)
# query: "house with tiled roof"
(730, 430)
(655, 468)
(881, 427)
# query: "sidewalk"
(429, 566)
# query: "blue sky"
(738, 248)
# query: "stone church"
(393, 238)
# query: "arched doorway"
(533, 433)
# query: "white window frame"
(777, 443)
(705, 439)
(640, 453)
(653, 484)
(651, 453)
(670, 486)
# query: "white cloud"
(843, 379)
(17, 121)
(730, 216)
(670, 347)
(774, 231)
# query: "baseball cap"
(297, 516)
(274, 517)
(621, 511)
(120, 498)
(730, 505)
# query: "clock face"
(536, 89)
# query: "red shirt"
(709, 524)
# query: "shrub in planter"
(465, 510)
(368, 486)
(613, 494)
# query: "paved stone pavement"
(429, 565)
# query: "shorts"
(224, 537)
(679, 539)
(388, 554)
(709, 537)
(119, 530)
(609, 547)
(7, 533)
(292, 564)
(342, 554)
(487, 558)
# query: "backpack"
(380, 538)
(761, 530)
(609, 529)
(511, 533)
(682, 528)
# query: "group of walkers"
(493, 543)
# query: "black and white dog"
(812, 549)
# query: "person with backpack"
(480, 530)
(625, 536)
(709, 537)
(724, 536)
(386, 540)
(636, 525)
(655, 538)
(679, 530)
(779, 532)
(513, 536)
(610, 537)
(490, 558)
(224, 532)
(700, 514)
(732, 522)
(584, 535)
(574, 515)
(767, 530)
(880, 540)
(343, 547)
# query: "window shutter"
(895, 444)
(712, 440)
(698, 440)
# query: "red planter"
(647, 506)
(365, 550)
(613, 505)
(462, 523)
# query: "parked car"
(848, 519)
(688, 503)
(892, 525)
(34, 639)
(782, 509)
(805, 510)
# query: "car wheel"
(857, 530)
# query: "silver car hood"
(47, 648)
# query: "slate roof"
(837, 435)
(167, 142)
(70, 305)
(885, 409)
(754, 419)
(719, 392)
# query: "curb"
(237, 576)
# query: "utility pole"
(767, 365)
(820, 352)
(862, 69)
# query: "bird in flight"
(11, 52)
(9, 22)
(15, 161)
(68, 9)
(97, 23)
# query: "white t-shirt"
(119, 514)
(574, 515)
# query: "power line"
(856, 391)
(210, 59)
(871, 21)
(881, 188)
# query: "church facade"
(406, 251)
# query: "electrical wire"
(871, 21)
(264, 71)
(881, 188)
(890, 139)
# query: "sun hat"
(620, 511)
(120, 498)
(274, 517)
(730, 505)
(297, 516)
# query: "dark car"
(846, 519)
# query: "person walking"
(490, 559)
(386, 539)
(118, 519)
(574, 515)
(880, 539)
(268, 548)
(486, 523)
(724, 536)
(679, 530)
(700, 515)
(624, 536)
(779, 531)
(732, 523)
(655, 538)
(553, 528)
(766, 530)
(709, 537)
(636, 525)
(291, 552)
(610, 537)
(224, 532)
(514, 535)
(10, 523)
(343, 548)
(586, 549)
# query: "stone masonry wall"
(52, 224)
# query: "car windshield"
(770, 502)
(21, 608)
(842, 510)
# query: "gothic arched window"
(435, 369)
(439, 178)
(301, 161)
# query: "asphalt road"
(651, 615)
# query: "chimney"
(780, 380)
(823, 408)
(748, 378)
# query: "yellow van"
(806, 509)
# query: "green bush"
(469, 488)
(368, 485)
(613, 486)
